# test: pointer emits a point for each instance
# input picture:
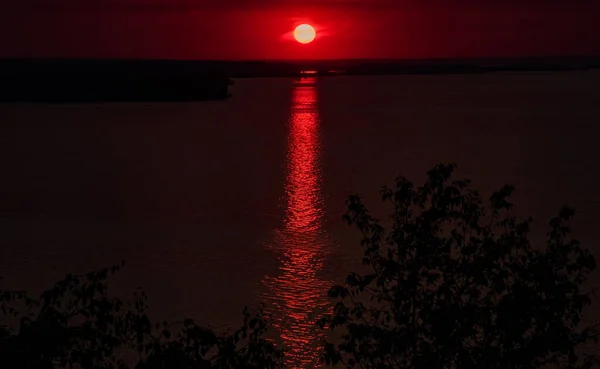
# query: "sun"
(305, 33)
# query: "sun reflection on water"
(297, 294)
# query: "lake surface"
(216, 205)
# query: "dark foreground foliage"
(77, 325)
(455, 283)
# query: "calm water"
(217, 205)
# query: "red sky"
(256, 29)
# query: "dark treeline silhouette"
(80, 80)
(98, 80)
(454, 283)
(105, 80)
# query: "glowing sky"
(256, 29)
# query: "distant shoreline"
(292, 68)
(85, 80)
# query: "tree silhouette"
(77, 325)
(457, 284)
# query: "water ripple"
(296, 295)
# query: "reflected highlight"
(297, 295)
